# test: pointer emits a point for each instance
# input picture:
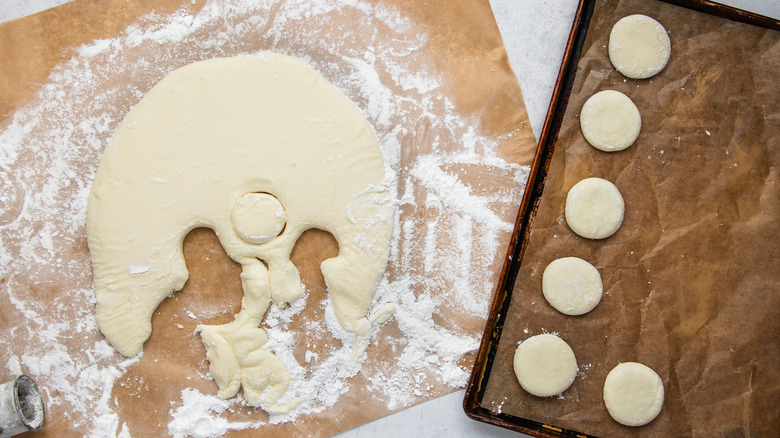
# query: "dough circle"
(545, 365)
(610, 121)
(572, 285)
(594, 208)
(258, 217)
(633, 394)
(639, 46)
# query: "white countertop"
(535, 33)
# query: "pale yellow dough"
(639, 46)
(572, 285)
(545, 365)
(610, 121)
(258, 217)
(259, 148)
(633, 394)
(594, 208)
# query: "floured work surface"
(688, 277)
(433, 81)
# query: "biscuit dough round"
(258, 217)
(545, 365)
(572, 285)
(639, 46)
(610, 121)
(633, 394)
(594, 208)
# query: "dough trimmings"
(610, 121)
(572, 286)
(639, 46)
(594, 208)
(545, 365)
(633, 394)
(208, 146)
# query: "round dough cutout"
(258, 217)
(610, 121)
(639, 46)
(594, 208)
(572, 285)
(545, 365)
(633, 394)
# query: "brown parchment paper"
(465, 50)
(690, 278)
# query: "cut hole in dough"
(639, 46)
(572, 285)
(633, 394)
(594, 208)
(610, 121)
(258, 217)
(545, 365)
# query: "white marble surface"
(535, 33)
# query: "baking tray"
(475, 404)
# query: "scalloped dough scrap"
(259, 148)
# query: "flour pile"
(451, 228)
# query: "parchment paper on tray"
(690, 277)
(433, 80)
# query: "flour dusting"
(452, 225)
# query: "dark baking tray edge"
(528, 206)
(484, 360)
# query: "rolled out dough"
(259, 148)
(545, 365)
(594, 208)
(610, 121)
(572, 285)
(639, 46)
(633, 394)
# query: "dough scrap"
(594, 208)
(545, 365)
(572, 285)
(639, 46)
(633, 394)
(187, 155)
(610, 121)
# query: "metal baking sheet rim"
(529, 204)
